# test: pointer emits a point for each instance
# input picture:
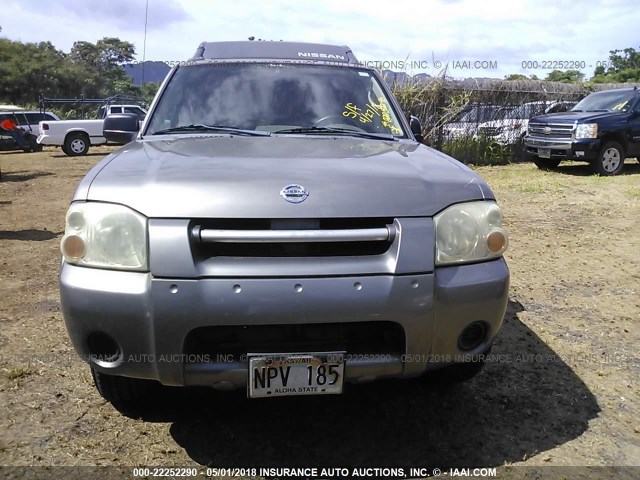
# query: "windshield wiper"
(347, 131)
(212, 128)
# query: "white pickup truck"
(76, 136)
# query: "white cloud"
(497, 30)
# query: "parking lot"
(561, 387)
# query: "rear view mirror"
(416, 128)
(120, 127)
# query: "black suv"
(603, 129)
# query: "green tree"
(623, 66)
(149, 90)
(101, 64)
(568, 76)
(630, 60)
(29, 70)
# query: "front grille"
(380, 337)
(555, 130)
(223, 237)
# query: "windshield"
(610, 101)
(273, 97)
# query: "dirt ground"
(562, 388)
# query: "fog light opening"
(472, 336)
(103, 348)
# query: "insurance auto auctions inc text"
(367, 472)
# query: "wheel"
(546, 163)
(76, 144)
(460, 372)
(610, 159)
(125, 394)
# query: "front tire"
(125, 394)
(610, 159)
(76, 144)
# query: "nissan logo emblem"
(294, 193)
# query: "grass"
(519, 177)
(16, 373)
(478, 151)
(633, 192)
(534, 188)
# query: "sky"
(473, 38)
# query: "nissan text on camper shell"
(275, 226)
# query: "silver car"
(275, 226)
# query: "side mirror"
(416, 128)
(120, 127)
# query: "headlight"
(105, 235)
(587, 130)
(469, 232)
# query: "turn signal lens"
(73, 247)
(497, 241)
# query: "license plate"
(544, 153)
(280, 374)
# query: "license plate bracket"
(283, 374)
(544, 153)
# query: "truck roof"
(619, 90)
(264, 50)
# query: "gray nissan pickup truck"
(276, 226)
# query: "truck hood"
(214, 176)
(571, 117)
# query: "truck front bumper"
(564, 149)
(136, 325)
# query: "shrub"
(479, 150)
